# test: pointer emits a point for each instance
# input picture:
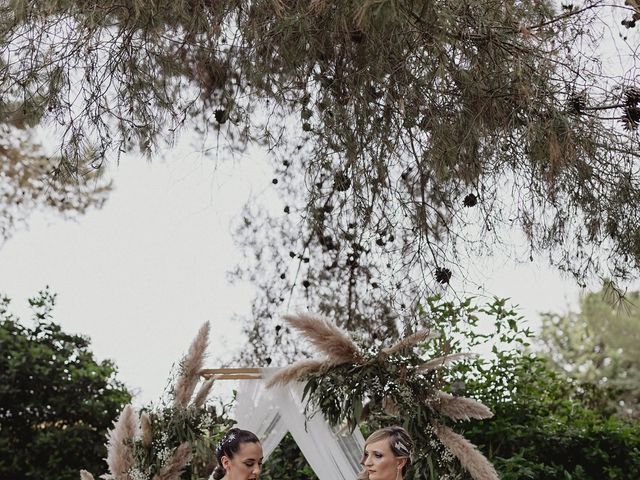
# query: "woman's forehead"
(250, 450)
(381, 445)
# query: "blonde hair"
(400, 443)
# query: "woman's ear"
(225, 461)
(401, 463)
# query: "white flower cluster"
(136, 474)
(207, 421)
(164, 451)
(406, 394)
(375, 384)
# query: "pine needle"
(297, 371)
(279, 7)
(363, 10)
(410, 341)
(461, 408)
(190, 367)
(326, 337)
(470, 457)
(440, 362)
(318, 6)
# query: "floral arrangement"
(395, 385)
(173, 440)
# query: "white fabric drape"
(272, 412)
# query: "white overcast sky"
(142, 274)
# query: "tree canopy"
(28, 182)
(432, 122)
(546, 425)
(56, 400)
(599, 344)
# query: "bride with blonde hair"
(387, 454)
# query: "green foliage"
(287, 461)
(545, 429)
(390, 388)
(170, 426)
(56, 400)
(545, 425)
(176, 438)
(600, 345)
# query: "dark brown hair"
(229, 446)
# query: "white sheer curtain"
(272, 412)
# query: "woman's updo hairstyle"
(400, 443)
(229, 446)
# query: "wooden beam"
(213, 371)
(229, 376)
(251, 373)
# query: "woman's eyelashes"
(375, 454)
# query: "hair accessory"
(224, 442)
(401, 447)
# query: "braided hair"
(229, 446)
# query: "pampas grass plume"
(390, 407)
(470, 458)
(190, 367)
(84, 475)
(296, 371)
(119, 457)
(440, 362)
(175, 464)
(410, 341)
(203, 393)
(145, 430)
(326, 337)
(461, 408)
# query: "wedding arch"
(322, 402)
(273, 411)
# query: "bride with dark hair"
(387, 454)
(239, 455)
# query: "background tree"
(287, 461)
(31, 180)
(599, 344)
(545, 425)
(56, 400)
